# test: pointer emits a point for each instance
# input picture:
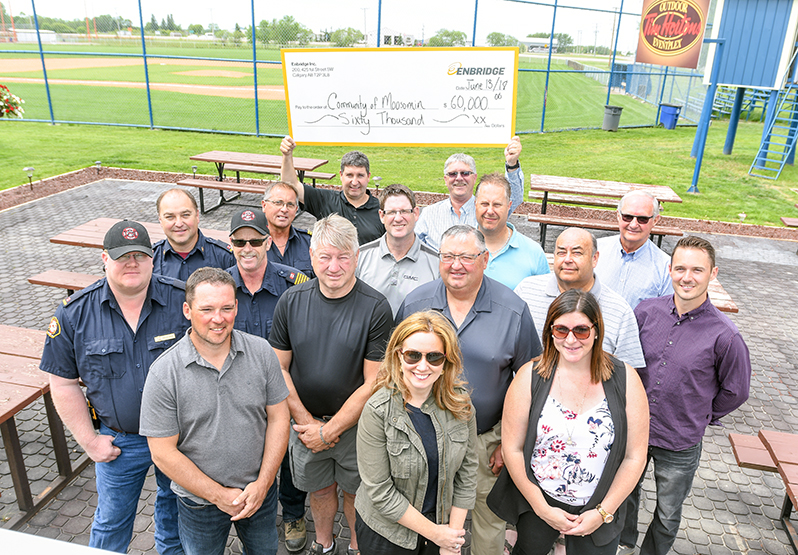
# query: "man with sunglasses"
(575, 258)
(460, 175)
(290, 245)
(185, 248)
(697, 370)
(630, 264)
(497, 336)
(397, 262)
(259, 284)
(107, 335)
(354, 201)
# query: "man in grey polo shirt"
(497, 337)
(575, 257)
(397, 262)
(215, 413)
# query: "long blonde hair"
(449, 389)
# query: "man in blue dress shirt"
(185, 248)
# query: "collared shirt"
(697, 370)
(256, 311)
(207, 252)
(90, 339)
(396, 278)
(219, 416)
(497, 337)
(366, 217)
(620, 327)
(437, 218)
(638, 275)
(297, 252)
(519, 258)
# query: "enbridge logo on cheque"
(456, 68)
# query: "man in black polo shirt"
(354, 202)
(329, 334)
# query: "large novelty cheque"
(401, 96)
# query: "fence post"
(734, 119)
(44, 68)
(146, 72)
(474, 34)
(379, 24)
(661, 94)
(614, 50)
(703, 125)
(255, 69)
(548, 68)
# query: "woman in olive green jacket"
(416, 445)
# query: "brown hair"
(448, 390)
(397, 190)
(576, 300)
(188, 195)
(694, 242)
(214, 276)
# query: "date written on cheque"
(495, 86)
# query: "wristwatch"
(513, 167)
(606, 517)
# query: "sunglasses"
(464, 174)
(642, 220)
(580, 332)
(414, 357)
(239, 243)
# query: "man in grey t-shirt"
(215, 413)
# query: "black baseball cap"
(250, 218)
(127, 236)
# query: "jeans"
(291, 498)
(204, 528)
(119, 485)
(673, 477)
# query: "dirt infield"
(270, 92)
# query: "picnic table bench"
(221, 158)
(71, 281)
(772, 451)
(591, 192)
(240, 168)
(22, 383)
(92, 233)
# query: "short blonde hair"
(335, 231)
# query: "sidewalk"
(731, 510)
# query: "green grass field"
(649, 155)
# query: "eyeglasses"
(239, 243)
(281, 203)
(392, 213)
(434, 358)
(642, 220)
(580, 332)
(465, 259)
(453, 175)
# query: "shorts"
(316, 471)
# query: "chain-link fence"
(149, 64)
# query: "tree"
(152, 25)
(196, 29)
(238, 34)
(345, 37)
(289, 30)
(445, 37)
(500, 39)
(263, 32)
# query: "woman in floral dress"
(574, 437)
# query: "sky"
(421, 18)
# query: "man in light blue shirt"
(630, 264)
(460, 175)
(513, 256)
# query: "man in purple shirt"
(697, 370)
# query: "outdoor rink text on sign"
(435, 96)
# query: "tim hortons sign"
(671, 32)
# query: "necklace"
(570, 440)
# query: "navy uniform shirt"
(255, 312)
(207, 252)
(366, 217)
(90, 339)
(297, 252)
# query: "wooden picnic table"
(92, 233)
(591, 188)
(783, 448)
(22, 383)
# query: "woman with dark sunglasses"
(416, 445)
(574, 437)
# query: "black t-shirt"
(329, 339)
(426, 431)
(366, 217)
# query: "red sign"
(671, 32)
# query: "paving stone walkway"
(730, 510)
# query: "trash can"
(612, 117)
(669, 115)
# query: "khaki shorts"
(337, 465)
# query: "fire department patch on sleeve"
(54, 328)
